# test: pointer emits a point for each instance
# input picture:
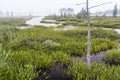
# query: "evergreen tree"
(115, 11)
(82, 14)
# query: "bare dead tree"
(89, 30)
(88, 43)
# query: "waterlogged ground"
(51, 53)
(99, 57)
(36, 21)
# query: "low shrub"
(113, 56)
(74, 48)
(14, 69)
(100, 44)
(17, 72)
(79, 48)
(22, 58)
(61, 57)
(80, 71)
(100, 33)
(50, 45)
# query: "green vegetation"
(13, 21)
(113, 57)
(31, 53)
(49, 22)
(103, 21)
(72, 42)
(80, 71)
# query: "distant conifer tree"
(115, 11)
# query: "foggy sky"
(45, 7)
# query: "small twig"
(81, 3)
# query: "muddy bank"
(95, 58)
(56, 72)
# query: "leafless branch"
(99, 5)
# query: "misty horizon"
(43, 8)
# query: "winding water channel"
(36, 21)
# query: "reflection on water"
(36, 21)
(118, 30)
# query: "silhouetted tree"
(11, 13)
(66, 12)
(70, 11)
(82, 14)
(61, 12)
(115, 11)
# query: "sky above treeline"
(46, 7)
